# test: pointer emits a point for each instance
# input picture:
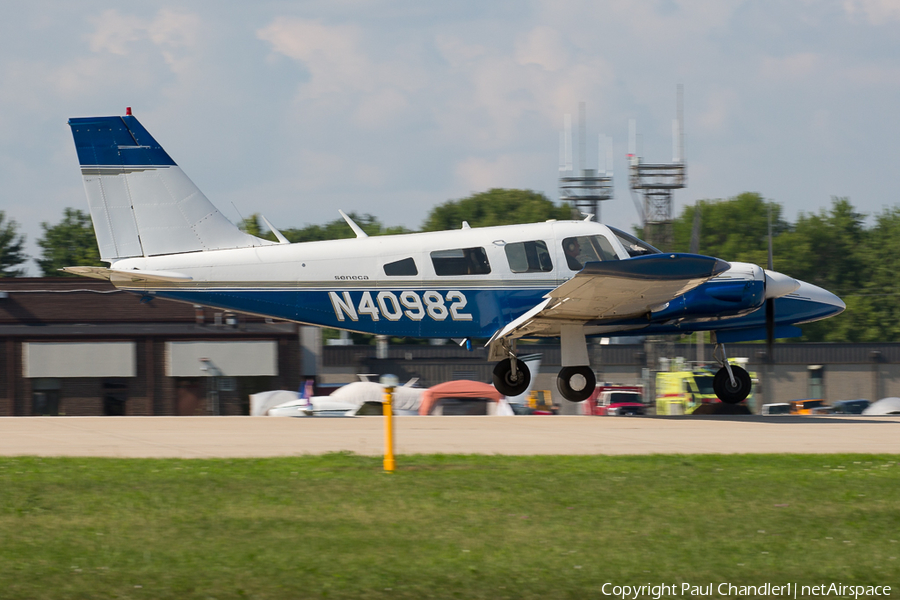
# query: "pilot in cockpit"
(572, 249)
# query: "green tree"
(878, 296)
(831, 249)
(735, 229)
(69, 243)
(339, 229)
(834, 250)
(495, 207)
(12, 244)
(253, 226)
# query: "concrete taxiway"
(234, 437)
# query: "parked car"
(615, 399)
(775, 409)
(804, 407)
(850, 407)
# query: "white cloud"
(792, 68)
(502, 171)
(387, 107)
(330, 53)
(721, 107)
(457, 52)
(381, 108)
(114, 32)
(171, 31)
(542, 46)
(344, 76)
(877, 12)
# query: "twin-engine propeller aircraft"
(568, 279)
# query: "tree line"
(832, 248)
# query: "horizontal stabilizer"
(133, 276)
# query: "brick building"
(81, 347)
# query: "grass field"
(336, 526)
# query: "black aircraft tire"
(564, 383)
(728, 393)
(503, 378)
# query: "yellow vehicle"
(805, 407)
(682, 390)
(541, 403)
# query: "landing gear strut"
(732, 383)
(576, 383)
(511, 377)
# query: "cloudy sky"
(296, 109)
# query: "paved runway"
(234, 437)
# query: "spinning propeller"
(777, 285)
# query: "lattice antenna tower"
(655, 183)
(585, 188)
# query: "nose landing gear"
(732, 383)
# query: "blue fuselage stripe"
(457, 313)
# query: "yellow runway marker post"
(389, 382)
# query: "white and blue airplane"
(562, 279)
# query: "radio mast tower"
(585, 188)
(656, 182)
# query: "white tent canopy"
(885, 406)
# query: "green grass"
(336, 526)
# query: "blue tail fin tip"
(116, 141)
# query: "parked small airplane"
(568, 279)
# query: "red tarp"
(462, 388)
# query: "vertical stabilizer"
(142, 203)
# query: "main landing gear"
(732, 383)
(512, 377)
(576, 383)
(576, 380)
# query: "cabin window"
(634, 246)
(587, 248)
(461, 261)
(407, 266)
(528, 257)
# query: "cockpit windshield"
(587, 248)
(634, 246)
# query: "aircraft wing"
(613, 290)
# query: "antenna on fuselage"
(356, 228)
(281, 239)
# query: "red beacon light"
(127, 111)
